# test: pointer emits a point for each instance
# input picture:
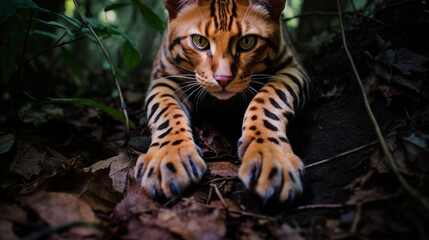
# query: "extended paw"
(170, 170)
(270, 168)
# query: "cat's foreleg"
(173, 161)
(269, 166)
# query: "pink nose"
(223, 80)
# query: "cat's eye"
(246, 43)
(200, 42)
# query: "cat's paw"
(168, 170)
(270, 168)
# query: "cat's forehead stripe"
(223, 14)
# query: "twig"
(322, 13)
(171, 201)
(17, 83)
(356, 218)
(240, 212)
(374, 122)
(209, 197)
(26, 39)
(118, 87)
(219, 179)
(340, 155)
(52, 47)
(219, 195)
(315, 206)
(346, 204)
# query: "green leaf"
(9, 7)
(121, 73)
(8, 56)
(116, 6)
(150, 16)
(111, 111)
(131, 53)
(54, 24)
(70, 61)
(73, 21)
(6, 143)
(46, 34)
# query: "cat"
(222, 49)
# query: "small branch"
(118, 87)
(346, 204)
(219, 195)
(334, 14)
(52, 47)
(340, 155)
(220, 179)
(209, 197)
(240, 212)
(374, 122)
(315, 206)
(356, 218)
(27, 34)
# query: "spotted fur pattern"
(219, 51)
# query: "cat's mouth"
(223, 95)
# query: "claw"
(174, 189)
(292, 178)
(270, 193)
(154, 192)
(200, 152)
(301, 175)
(252, 178)
(291, 196)
(239, 142)
(139, 171)
(194, 169)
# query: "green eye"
(200, 42)
(246, 43)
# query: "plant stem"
(340, 155)
(118, 87)
(374, 122)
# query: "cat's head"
(224, 41)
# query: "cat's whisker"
(199, 98)
(187, 87)
(244, 93)
(185, 76)
(184, 68)
(246, 14)
(198, 88)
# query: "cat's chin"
(223, 95)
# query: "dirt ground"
(65, 174)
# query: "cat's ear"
(275, 7)
(173, 6)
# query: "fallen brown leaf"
(99, 192)
(190, 221)
(119, 166)
(13, 213)
(223, 169)
(135, 202)
(140, 231)
(6, 230)
(27, 160)
(58, 208)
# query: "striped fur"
(221, 49)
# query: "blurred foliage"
(128, 29)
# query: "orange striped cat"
(218, 51)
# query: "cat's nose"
(223, 80)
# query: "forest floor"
(65, 175)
